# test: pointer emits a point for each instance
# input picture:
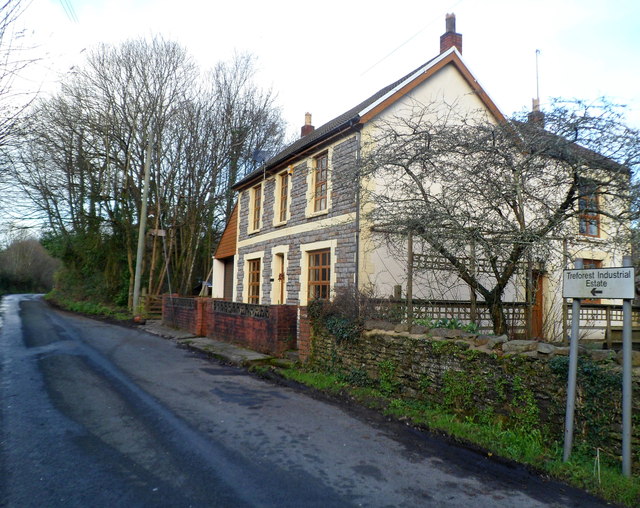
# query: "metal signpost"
(573, 368)
(600, 283)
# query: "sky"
(326, 57)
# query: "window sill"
(586, 235)
(278, 224)
(319, 213)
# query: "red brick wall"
(208, 318)
(304, 334)
(273, 334)
(180, 312)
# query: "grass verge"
(526, 447)
(88, 308)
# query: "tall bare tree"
(252, 126)
(84, 151)
(13, 59)
(479, 191)
(15, 96)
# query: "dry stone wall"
(521, 384)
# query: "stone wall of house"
(343, 201)
(343, 191)
(344, 234)
(343, 176)
(519, 383)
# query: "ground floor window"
(254, 281)
(319, 274)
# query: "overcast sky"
(325, 57)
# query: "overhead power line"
(407, 41)
(69, 10)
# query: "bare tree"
(15, 97)
(26, 266)
(251, 125)
(84, 151)
(215, 141)
(13, 59)
(475, 191)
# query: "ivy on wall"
(518, 392)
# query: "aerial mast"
(536, 116)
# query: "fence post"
(145, 302)
(199, 317)
(410, 281)
(528, 313)
(473, 298)
(607, 312)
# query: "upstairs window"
(589, 219)
(319, 274)
(253, 268)
(320, 183)
(257, 207)
(284, 196)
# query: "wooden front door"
(228, 279)
(280, 281)
(537, 307)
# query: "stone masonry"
(343, 201)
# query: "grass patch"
(261, 370)
(320, 381)
(524, 445)
(369, 397)
(611, 485)
(88, 308)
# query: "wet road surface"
(94, 414)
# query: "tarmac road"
(94, 414)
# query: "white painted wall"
(218, 279)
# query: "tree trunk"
(498, 318)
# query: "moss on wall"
(518, 391)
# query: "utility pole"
(142, 227)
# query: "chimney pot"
(307, 128)
(450, 22)
(450, 37)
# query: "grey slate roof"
(561, 148)
(346, 119)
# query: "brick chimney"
(307, 128)
(450, 37)
(536, 117)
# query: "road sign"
(599, 283)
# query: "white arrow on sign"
(599, 283)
